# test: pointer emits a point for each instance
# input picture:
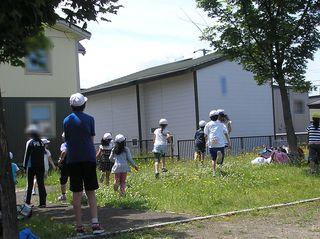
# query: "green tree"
(22, 25)
(274, 39)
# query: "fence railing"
(184, 149)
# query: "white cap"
(213, 113)
(119, 138)
(45, 141)
(78, 99)
(11, 155)
(107, 136)
(220, 111)
(202, 123)
(163, 122)
(33, 129)
(63, 135)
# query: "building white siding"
(226, 85)
(299, 111)
(115, 111)
(173, 99)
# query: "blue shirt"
(79, 130)
(14, 169)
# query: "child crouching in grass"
(122, 158)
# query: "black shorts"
(83, 174)
(64, 174)
(200, 148)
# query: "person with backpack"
(200, 142)
(34, 164)
(314, 142)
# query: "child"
(34, 164)
(216, 135)
(161, 137)
(103, 154)
(64, 173)
(278, 156)
(200, 142)
(121, 157)
(15, 169)
(47, 159)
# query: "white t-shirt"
(47, 155)
(161, 137)
(63, 147)
(215, 131)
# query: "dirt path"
(298, 222)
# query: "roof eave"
(81, 33)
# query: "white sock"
(94, 220)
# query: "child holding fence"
(122, 159)
(103, 154)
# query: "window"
(299, 107)
(37, 62)
(223, 83)
(42, 114)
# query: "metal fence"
(242, 144)
(184, 149)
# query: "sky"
(147, 33)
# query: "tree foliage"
(22, 22)
(274, 39)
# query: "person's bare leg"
(202, 158)
(156, 167)
(63, 188)
(77, 207)
(102, 177)
(93, 204)
(163, 162)
(214, 167)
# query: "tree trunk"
(7, 187)
(291, 136)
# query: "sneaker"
(156, 175)
(97, 229)
(80, 231)
(164, 170)
(62, 198)
(214, 173)
(34, 192)
(42, 206)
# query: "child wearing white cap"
(103, 154)
(216, 135)
(161, 138)
(122, 159)
(47, 159)
(200, 142)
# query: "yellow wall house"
(39, 93)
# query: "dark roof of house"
(314, 105)
(158, 72)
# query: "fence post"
(178, 143)
(242, 144)
(147, 150)
(270, 141)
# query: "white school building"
(184, 92)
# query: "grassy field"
(191, 188)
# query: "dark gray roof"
(314, 105)
(158, 72)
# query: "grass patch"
(53, 179)
(46, 228)
(190, 188)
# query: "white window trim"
(52, 107)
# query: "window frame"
(295, 109)
(49, 66)
(52, 109)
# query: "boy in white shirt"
(161, 137)
(216, 136)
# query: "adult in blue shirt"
(81, 160)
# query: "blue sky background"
(147, 33)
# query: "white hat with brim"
(213, 113)
(78, 99)
(32, 129)
(119, 138)
(202, 123)
(45, 141)
(163, 122)
(220, 111)
(107, 136)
